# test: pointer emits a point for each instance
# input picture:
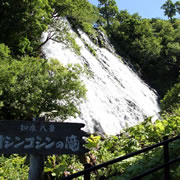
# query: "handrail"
(94, 168)
(155, 169)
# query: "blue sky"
(145, 8)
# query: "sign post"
(36, 169)
(40, 138)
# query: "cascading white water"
(116, 96)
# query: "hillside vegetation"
(31, 85)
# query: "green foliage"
(108, 10)
(91, 50)
(145, 44)
(151, 45)
(31, 86)
(79, 12)
(22, 23)
(92, 141)
(106, 148)
(169, 9)
(59, 166)
(72, 43)
(59, 32)
(177, 4)
(88, 28)
(135, 138)
(171, 100)
(13, 167)
(4, 51)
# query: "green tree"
(108, 10)
(31, 86)
(22, 23)
(169, 9)
(79, 12)
(136, 37)
(123, 34)
(177, 5)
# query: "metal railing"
(165, 165)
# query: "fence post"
(87, 175)
(166, 159)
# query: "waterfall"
(116, 97)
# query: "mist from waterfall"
(116, 97)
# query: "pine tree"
(108, 10)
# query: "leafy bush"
(13, 168)
(60, 166)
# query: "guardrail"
(166, 165)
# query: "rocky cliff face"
(116, 96)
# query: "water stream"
(116, 96)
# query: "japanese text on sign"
(33, 128)
(70, 143)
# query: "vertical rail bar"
(87, 175)
(166, 159)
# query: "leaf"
(53, 174)
(160, 125)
